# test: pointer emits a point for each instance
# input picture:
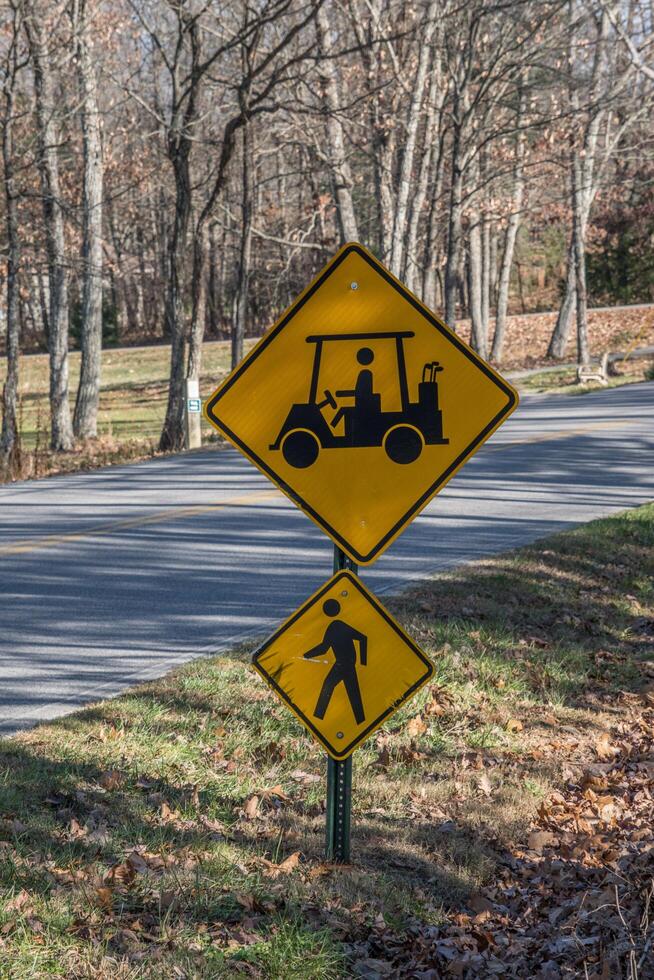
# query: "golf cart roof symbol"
(401, 433)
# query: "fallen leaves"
(415, 727)
(288, 865)
(306, 778)
(271, 798)
(19, 901)
(538, 840)
(251, 807)
(573, 900)
(104, 897)
(485, 785)
(111, 780)
(604, 749)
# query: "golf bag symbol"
(340, 638)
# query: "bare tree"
(41, 41)
(245, 252)
(510, 235)
(271, 50)
(190, 47)
(85, 420)
(415, 110)
(338, 158)
(9, 437)
(589, 111)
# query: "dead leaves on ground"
(528, 336)
(576, 900)
(267, 799)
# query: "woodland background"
(178, 169)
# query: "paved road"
(112, 577)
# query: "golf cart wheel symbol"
(403, 443)
(300, 448)
(402, 434)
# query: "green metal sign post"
(339, 775)
(339, 805)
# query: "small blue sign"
(193, 405)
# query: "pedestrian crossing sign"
(342, 664)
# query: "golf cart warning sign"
(342, 664)
(360, 404)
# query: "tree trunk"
(339, 164)
(478, 334)
(485, 272)
(430, 164)
(600, 84)
(406, 177)
(454, 233)
(172, 434)
(48, 164)
(384, 151)
(580, 263)
(213, 315)
(492, 282)
(559, 339)
(507, 254)
(85, 422)
(9, 437)
(199, 316)
(243, 283)
(433, 253)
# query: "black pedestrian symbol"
(340, 639)
(403, 434)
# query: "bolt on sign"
(360, 404)
(342, 664)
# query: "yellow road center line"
(157, 518)
(565, 433)
(160, 517)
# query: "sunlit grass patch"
(565, 379)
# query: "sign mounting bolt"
(354, 285)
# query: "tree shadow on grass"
(566, 618)
(569, 616)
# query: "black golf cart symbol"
(403, 433)
(340, 639)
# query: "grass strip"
(177, 830)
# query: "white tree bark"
(9, 435)
(512, 227)
(598, 95)
(61, 438)
(338, 159)
(406, 181)
(85, 421)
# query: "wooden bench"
(596, 370)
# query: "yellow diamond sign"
(360, 404)
(342, 664)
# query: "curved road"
(112, 577)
